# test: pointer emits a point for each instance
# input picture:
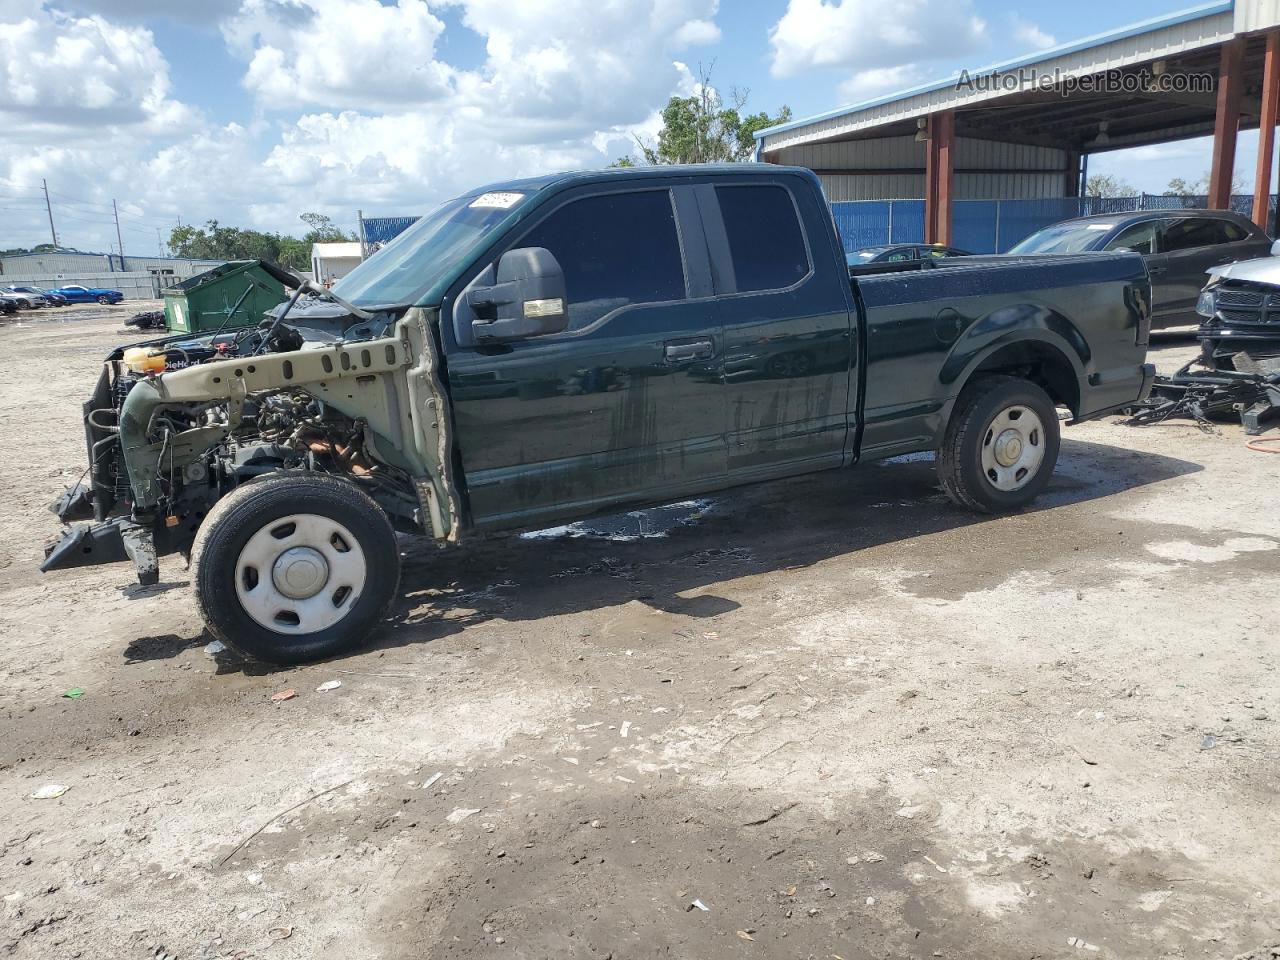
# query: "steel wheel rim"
(300, 574)
(1013, 448)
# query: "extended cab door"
(785, 305)
(627, 404)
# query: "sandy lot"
(834, 717)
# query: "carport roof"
(1016, 110)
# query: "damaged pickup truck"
(546, 349)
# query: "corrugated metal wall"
(986, 169)
(58, 264)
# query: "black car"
(1179, 246)
(901, 253)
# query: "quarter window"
(765, 241)
(615, 249)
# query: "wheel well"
(1040, 363)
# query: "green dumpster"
(206, 302)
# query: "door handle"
(689, 350)
(1156, 271)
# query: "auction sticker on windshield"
(497, 201)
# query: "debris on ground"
(461, 813)
(432, 780)
(75, 693)
(698, 905)
(328, 685)
(283, 695)
(50, 791)
(1204, 394)
(215, 647)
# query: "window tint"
(765, 241)
(1139, 238)
(898, 256)
(1198, 232)
(614, 249)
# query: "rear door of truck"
(786, 310)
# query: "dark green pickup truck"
(546, 349)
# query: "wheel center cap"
(1008, 448)
(300, 572)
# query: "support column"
(938, 177)
(1071, 175)
(1226, 123)
(1267, 129)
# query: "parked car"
(1241, 310)
(902, 253)
(502, 364)
(8, 304)
(78, 294)
(1177, 245)
(50, 298)
(26, 301)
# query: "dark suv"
(1177, 245)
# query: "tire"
(1000, 446)
(105, 301)
(262, 550)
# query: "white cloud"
(869, 34)
(1027, 34)
(78, 75)
(869, 84)
(357, 107)
(340, 53)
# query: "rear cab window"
(766, 243)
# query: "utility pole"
(49, 207)
(119, 241)
(159, 244)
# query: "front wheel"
(104, 300)
(1000, 446)
(294, 568)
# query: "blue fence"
(993, 226)
(380, 230)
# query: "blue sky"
(253, 111)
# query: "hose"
(1258, 445)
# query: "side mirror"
(528, 299)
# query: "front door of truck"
(786, 316)
(627, 404)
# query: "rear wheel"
(294, 568)
(1000, 446)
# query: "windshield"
(410, 265)
(1064, 238)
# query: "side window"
(1233, 231)
(898, 256)
(1140, 238)
(1194, 232)
(615, 249)
(765, 241)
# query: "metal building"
(1025, 128)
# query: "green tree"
(1108, 185)
(1178, 187)
(702, 128)
(213, 241)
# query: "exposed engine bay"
(176, 423)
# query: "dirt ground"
(832, 718)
